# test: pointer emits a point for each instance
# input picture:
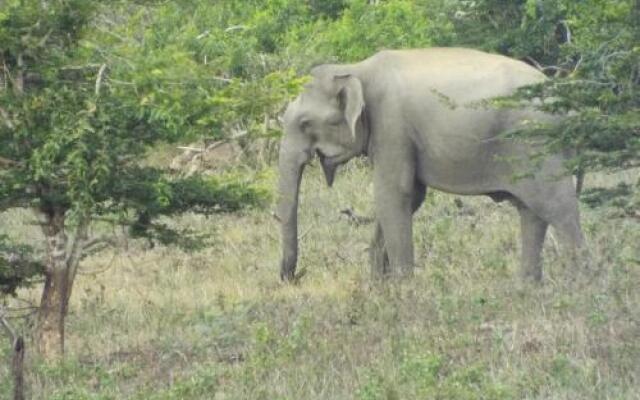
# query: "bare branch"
(534, 62)
(80, 67)
(18, 84)
(546, 68)
(100, 270)
(199, 150)
(203, 35)
(584, 81)
(235, 28)
(76, 248)
(577, 64)
(103, 67)
(5, 116)
(98, 241)
(7, 75)
(221, 79)
(6, 325)
(111, 33)
(119, 82)
(44, 39)
(5, 162)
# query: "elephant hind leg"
(533, 230)
(556, 204)
(566, 222)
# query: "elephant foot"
(287, 276)
(288, 273)
(379, 263)
(532, 275)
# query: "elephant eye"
(304, 124)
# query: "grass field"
(160, 323)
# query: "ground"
(160, 323)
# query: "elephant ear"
(351, 100)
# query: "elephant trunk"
(291, 165)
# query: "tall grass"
(160, 323)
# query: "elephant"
(422, 118)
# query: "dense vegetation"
(92, 92)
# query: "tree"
(76, 122)
(590, 51)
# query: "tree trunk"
(49, 334)
(17, 369)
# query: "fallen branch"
(355, 218)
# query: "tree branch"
(5, 162)
(6, 325)
(80, 67)
(74, 253)
(103, 67)
(88, 245)
(5, 117)
(44, 39)
(543, 68)
(18, 84)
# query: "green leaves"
(87, 90)
(17, 267)
(589, 49)
(152, 196)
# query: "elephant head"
(327, 119)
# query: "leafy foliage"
(87, 91)
(16, 266)
(590, 49)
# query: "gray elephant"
(419, 116)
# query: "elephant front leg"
(394, 214)
(378, 256)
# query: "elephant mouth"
(331, 163)
(329, 166)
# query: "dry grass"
(217, 324)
